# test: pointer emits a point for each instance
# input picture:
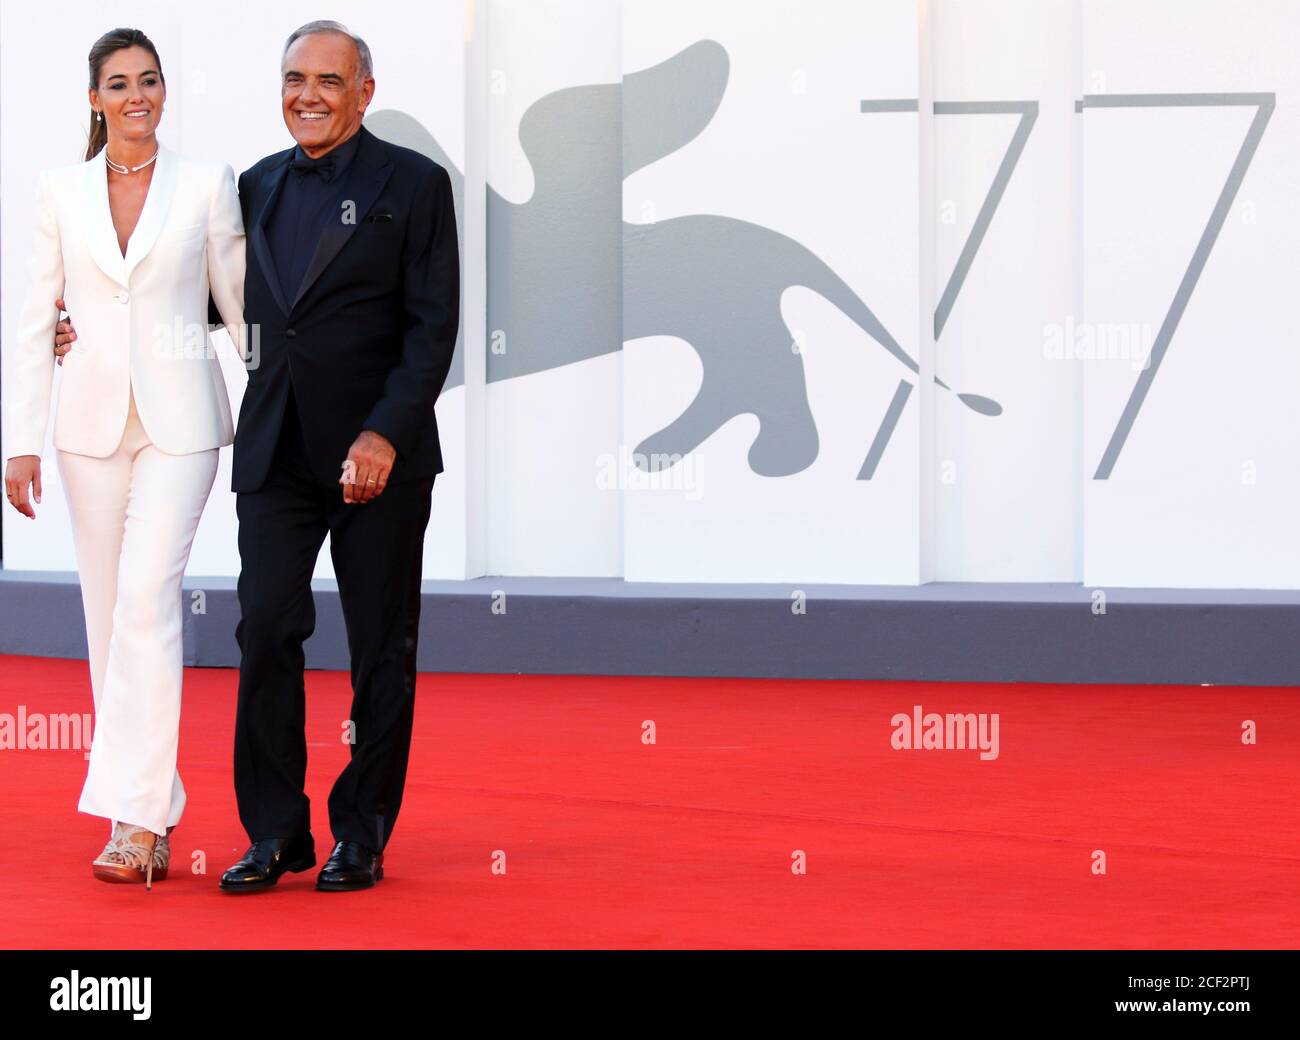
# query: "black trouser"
(377, 549)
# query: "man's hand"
(365, 473)
(23, 471)
(64, 335)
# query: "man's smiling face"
(321, 94)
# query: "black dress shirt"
(312, 196)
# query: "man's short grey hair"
(365, 65)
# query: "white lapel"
(101, 237)
(154, 214)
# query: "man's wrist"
(382, 436)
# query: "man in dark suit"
(353, 280)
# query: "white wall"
(1008, 498)
(1204, 491)
(1091, 238)
(546, 513)
(789, 150)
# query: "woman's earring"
(99, 116)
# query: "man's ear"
(367, 94)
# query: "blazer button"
(122, 297)
(290, 333)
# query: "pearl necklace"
(121, 168)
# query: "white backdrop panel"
(1203, 491)
(548, 427)
(788, 150)
(1009, 496)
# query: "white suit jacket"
(141, 320)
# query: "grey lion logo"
(562, 260)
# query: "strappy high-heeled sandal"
(128, 860)
(162, 854)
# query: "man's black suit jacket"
(369, 339)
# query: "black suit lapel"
(261, 247)
(364, 180)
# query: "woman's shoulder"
(64, 174)
(211, 178)
(195, 165)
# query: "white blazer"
(141, 320)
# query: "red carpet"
(688, 842)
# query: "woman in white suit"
(132, 239)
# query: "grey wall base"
(605, 626)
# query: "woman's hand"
(22, 472)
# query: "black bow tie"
(323, 166)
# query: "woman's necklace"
(128, 169)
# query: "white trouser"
(134, 515)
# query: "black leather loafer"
(266, 860)
(351, 866)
